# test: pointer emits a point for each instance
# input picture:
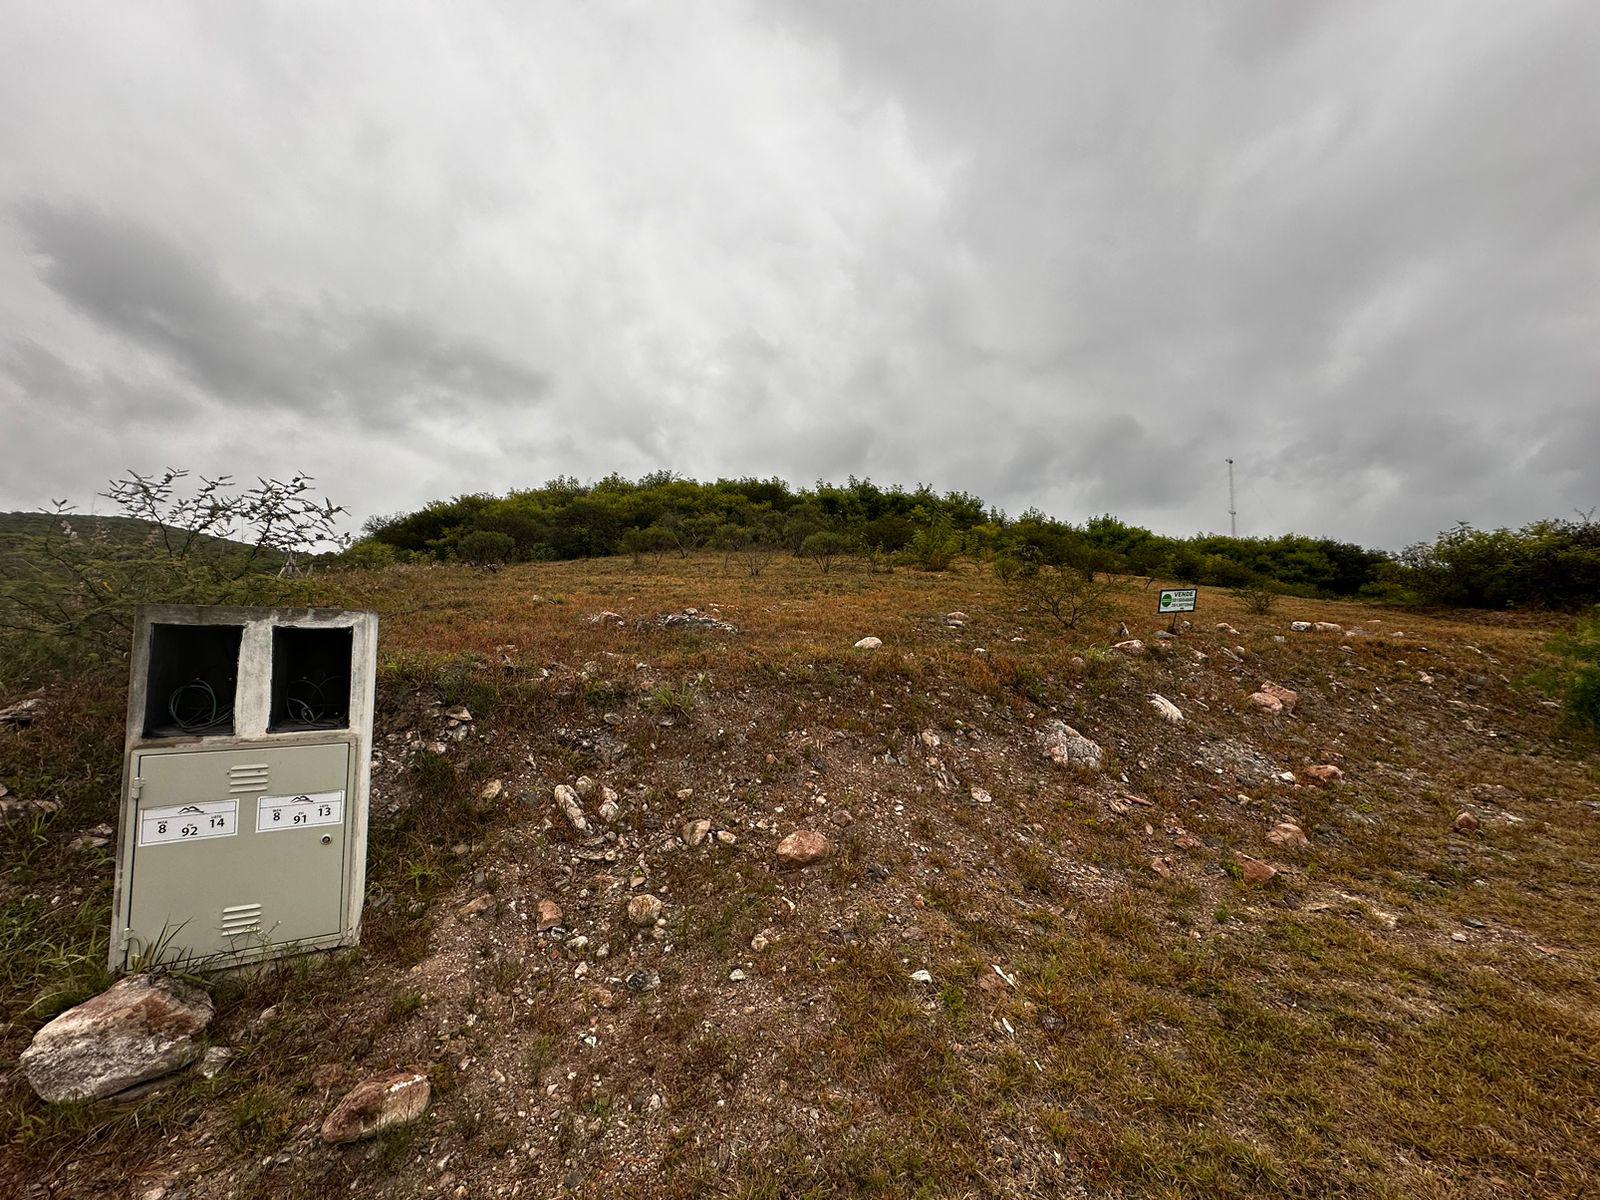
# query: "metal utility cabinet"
(243, 824)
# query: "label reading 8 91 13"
(299, 812)
(188, 822)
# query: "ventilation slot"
(241, 918)
(248, 777)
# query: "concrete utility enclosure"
(243, 824)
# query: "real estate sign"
(1177, 600)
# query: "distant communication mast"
(1233, 513)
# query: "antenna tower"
(1233, 513)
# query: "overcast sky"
(1062, 255)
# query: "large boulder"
(140, 1028)
(374, 1105)
(1065, 746)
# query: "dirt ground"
(1010, 977)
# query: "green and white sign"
(1177, 600)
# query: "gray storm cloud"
(1061, 255)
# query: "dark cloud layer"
(1057, 254)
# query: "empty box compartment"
(194, 672)
(310, 678)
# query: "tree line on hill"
(70, 585)
(1553, 563)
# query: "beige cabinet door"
(237, 849)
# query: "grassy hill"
(19, 531)
(1111, 1007)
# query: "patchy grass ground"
(1402, 1011)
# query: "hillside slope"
(1111, 1007)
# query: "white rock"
(138, 1029)
(644, 909)
(1065, 746)
(572, 807)
(214, 1061)
(921, 976)
(1168, 710)
(869, 643)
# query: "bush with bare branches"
(71, 593)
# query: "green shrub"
(1549, 564)
(1258, 597)
(935, 546)
(1577, 677)
(486, 548)
(68, 594)
(1066, 592)
(824, 547)
(369, 554)
(654, 541)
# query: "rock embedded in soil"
(644, 909)
(1167, 710)
(376, 1104)
(572, 807)
(140, 1028)
(21, 714)
(1287, 833)
(1465, 822)
(695, 832)
(1066, 747)
(215, 1061)
(491, 790)
(1324, 773)
(869, 643)
(1254, 871)
(1266, 702)
(549, 916)
(1284, 696)
(802, 848)
(1131, 646)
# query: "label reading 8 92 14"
(188, 822)
(299, 812)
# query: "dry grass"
(1328, 1034)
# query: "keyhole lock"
(327, 839)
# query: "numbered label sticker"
(188, 822)
(299, 812)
